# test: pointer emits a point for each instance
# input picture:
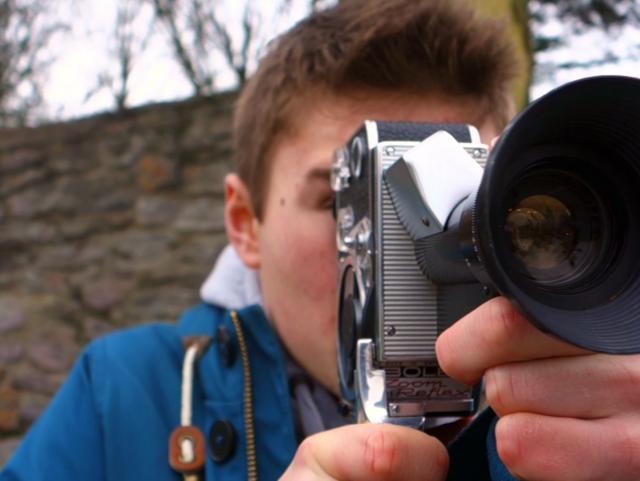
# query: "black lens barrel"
(581, 142)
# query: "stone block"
(205, 179)
(33, 381)
(159, 304)
(221, 154)
(121, 152)
(206, 128)
(105, 293)
(94, 328)
(73, 196)
(15, 259)
(31, 406)
(22, 232)
(58, 257)
(27, 204)
(203, 249)
(12, 316)
(202, 215)
(53, 350)
(119, 220)
(90, 254)
(8, 396)
(12, 269)
(161, 118)
(20, 159)
(10, 352)
(8, 280)
(141, 244)
(167, 269)
(7, 448)
(78, 227)
(9, 409)
(14, 183)
(117, 200)
(9, 419)
(45, 282)
(156, 210)
(72, 159)
(42, 200)
(78, 279)
(155, 172)
(54, 307)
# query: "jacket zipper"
(252, 469)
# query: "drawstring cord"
(186, 446)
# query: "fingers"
(586, 387)
(543, 448)
(495, 333)
(369, 452)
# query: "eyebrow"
(319, 173)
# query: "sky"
(87, 50)
(623, 43)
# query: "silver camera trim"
(371, 385)
(371, 396)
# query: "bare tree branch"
(248, 28)
(26, 28)
(128, 46)
(166, 14)
(198, 32)
(124, 39)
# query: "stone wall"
(105, 222)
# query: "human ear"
(241, 222)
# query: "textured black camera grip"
(418, 131)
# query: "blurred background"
(115, 138)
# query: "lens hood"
(556, 218)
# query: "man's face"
(296, 237)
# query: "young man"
(269, 378)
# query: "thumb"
(369, 452)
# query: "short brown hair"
(405, 45)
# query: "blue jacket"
(112, 419)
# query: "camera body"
(425, 235)
(390, 314)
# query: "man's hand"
(369, 452)
(565, 413)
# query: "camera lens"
(542, 233)
(555, 225)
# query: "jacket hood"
(231, 285)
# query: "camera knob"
(340, 170)
(357, 156)
(362, 248)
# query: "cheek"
(304, 254)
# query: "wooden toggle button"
(187, 461)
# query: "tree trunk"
(518, 17)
